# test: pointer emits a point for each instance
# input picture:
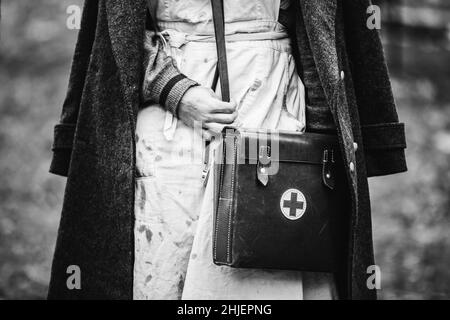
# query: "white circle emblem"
(293, 204)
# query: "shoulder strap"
(222, 67)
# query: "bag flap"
(282, 146)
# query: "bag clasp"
(263, 165)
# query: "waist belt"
(178, 38)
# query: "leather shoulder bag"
(280, 197)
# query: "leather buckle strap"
(328, 169)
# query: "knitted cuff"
(174, 90)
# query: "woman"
(172, 204)
(136, 218)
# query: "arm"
(383, 134)
(165, 85)
(64, 132)
(163, 82)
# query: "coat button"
(342, 75)
(355, 146)
(352, 167)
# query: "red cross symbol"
(293, 204)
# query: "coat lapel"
(126, 24)
(319, 17)
(320, 24)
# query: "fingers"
(213, 130)
(219, 106)
(221, 112)
(223, 107)
(222, 118)
(203, 105)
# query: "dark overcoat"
(94, 144)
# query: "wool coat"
(94, 143)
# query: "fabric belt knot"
(175, 38)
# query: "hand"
(200, 104)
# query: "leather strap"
(222, 67)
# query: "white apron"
(173, 208)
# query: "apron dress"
(174, 205)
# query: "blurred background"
(411, 211)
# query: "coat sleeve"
(64, 131)
(383, 135)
